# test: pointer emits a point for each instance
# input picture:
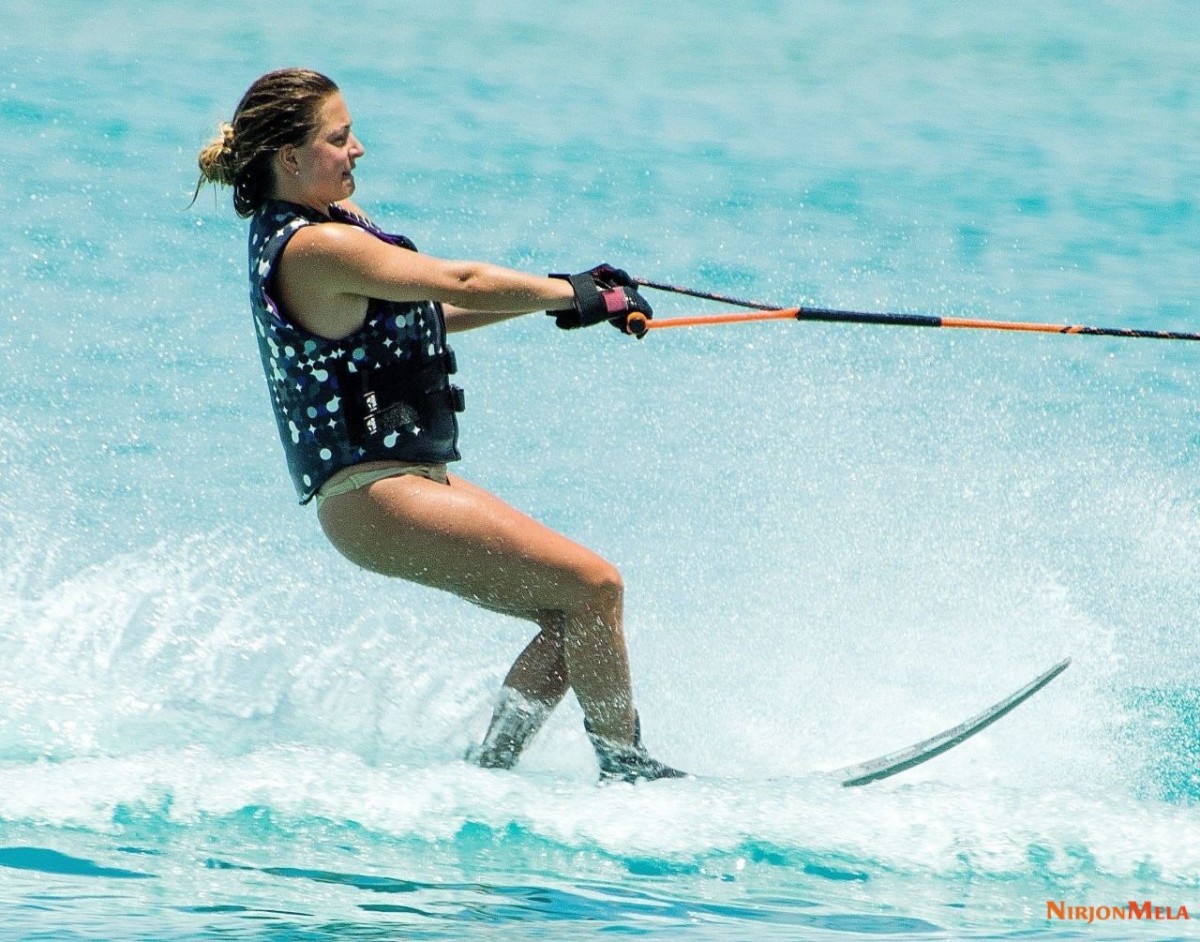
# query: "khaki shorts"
(352, 482)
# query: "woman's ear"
(288, 162)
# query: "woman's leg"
(534, 686)
(540, 671)
(460, 538)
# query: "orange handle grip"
(637, 324)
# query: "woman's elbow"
(468, 285)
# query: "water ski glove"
(603, 293)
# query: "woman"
(351, 324)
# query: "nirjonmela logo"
(1059, 910)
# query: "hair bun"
(217, 160)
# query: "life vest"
(381, 393)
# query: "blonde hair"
(280, 108)
(217, 159)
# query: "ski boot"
(628, 763)
(515, 721)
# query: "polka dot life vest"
(381, 393)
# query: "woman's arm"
(460, 319)
(457, 319)
(333, 262)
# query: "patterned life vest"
(381, 393)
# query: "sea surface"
(836, 539)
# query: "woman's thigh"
(460, 538)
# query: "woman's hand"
(603, 293)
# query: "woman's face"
(324, 165)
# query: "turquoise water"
(836, 539)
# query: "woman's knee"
(602, 584)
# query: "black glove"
(604, 294)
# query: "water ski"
(875, 769)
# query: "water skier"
(351, 325)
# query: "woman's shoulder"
(275, 220)
(289, 223)
(333, 238)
